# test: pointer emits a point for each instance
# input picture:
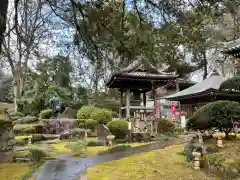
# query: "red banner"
(173, 107)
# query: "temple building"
(140, 85)
(209, 89)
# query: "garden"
(211, 151)
(43, 137)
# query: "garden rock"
(7, 140)
(60, 125)
(65, 135)
(69, 113)
(102, 132)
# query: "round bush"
(165, 126)
(102, 116)
(90, 124)
(85, 112)
(216, 115)
(45, 114)
(119, 128)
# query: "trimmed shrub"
(219, 115)
(119, 128)
(117, 148)
(179, 130)
(85, 112)
(37, 155)
(94, 143)
(78, 148)
(163, 137)
(165, 126)
(27, 128)
(90, 124)
(102, 116)
(27, 119)
(16, 115)
(45, 114)
(37, 138)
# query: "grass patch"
(154, 165)
(33, 167)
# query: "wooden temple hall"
(139, 83)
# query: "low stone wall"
(7, 140)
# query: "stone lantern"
(196, 156)
(219, 136)
(110, 138)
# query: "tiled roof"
(232, 45)
(212, 82)
(143, 74)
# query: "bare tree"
(26, 29)
(3, 17)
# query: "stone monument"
(102, 133)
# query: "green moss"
(153, 165)
(13, 171)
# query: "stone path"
(66, 168)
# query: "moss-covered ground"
(13, 171)
(163, 164)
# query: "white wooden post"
(128, 104)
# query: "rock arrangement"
(7, 140)
(59, 126)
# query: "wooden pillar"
(128, 104)
(154, 100)
(121, 104)
(144, 99)
(177, 85)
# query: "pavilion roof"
(232, 47)
(212, 83)
(138, 74)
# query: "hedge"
(28, 128)
(119, 128)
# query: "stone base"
(6, 156)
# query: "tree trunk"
(3, 17)
(205, 65)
